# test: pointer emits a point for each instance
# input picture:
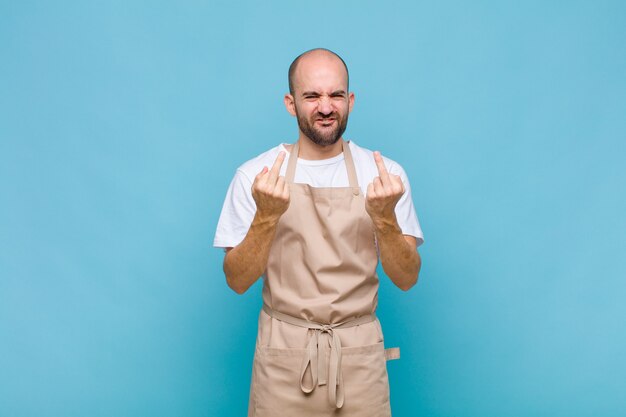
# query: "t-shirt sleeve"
(237, 212)
(405, 210)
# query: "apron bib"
(319, 348)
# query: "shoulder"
(364, 159)
(252, 167)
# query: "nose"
(324, 105)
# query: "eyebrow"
(315, 93)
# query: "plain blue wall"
(121, 125)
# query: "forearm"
(399, 258)
(246, 262)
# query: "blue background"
(121, 125)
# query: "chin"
(325, 143)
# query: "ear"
(350, 101)
(290, 104)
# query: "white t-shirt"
(239, 207)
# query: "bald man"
(313, 219)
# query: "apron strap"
(290, 174)
(352, 179)
(392, 353)
(315, 357)
(291, 164)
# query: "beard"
(326, 136)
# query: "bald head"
(313, 53)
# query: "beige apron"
(320, 347)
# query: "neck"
(312, 151)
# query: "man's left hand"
(383, 193)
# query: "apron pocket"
(365, 381)
(276, 388)
(276, 383)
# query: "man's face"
(321, 101)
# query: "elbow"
(235, 286)
(408, 283)
(232, 279)
(411, 280)
(411, 277)
(408, 277)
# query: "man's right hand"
(247, 261)
(271, 192)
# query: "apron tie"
(315, 360)
(315, 356)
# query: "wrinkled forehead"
(321, 72)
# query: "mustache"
(325, 117)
